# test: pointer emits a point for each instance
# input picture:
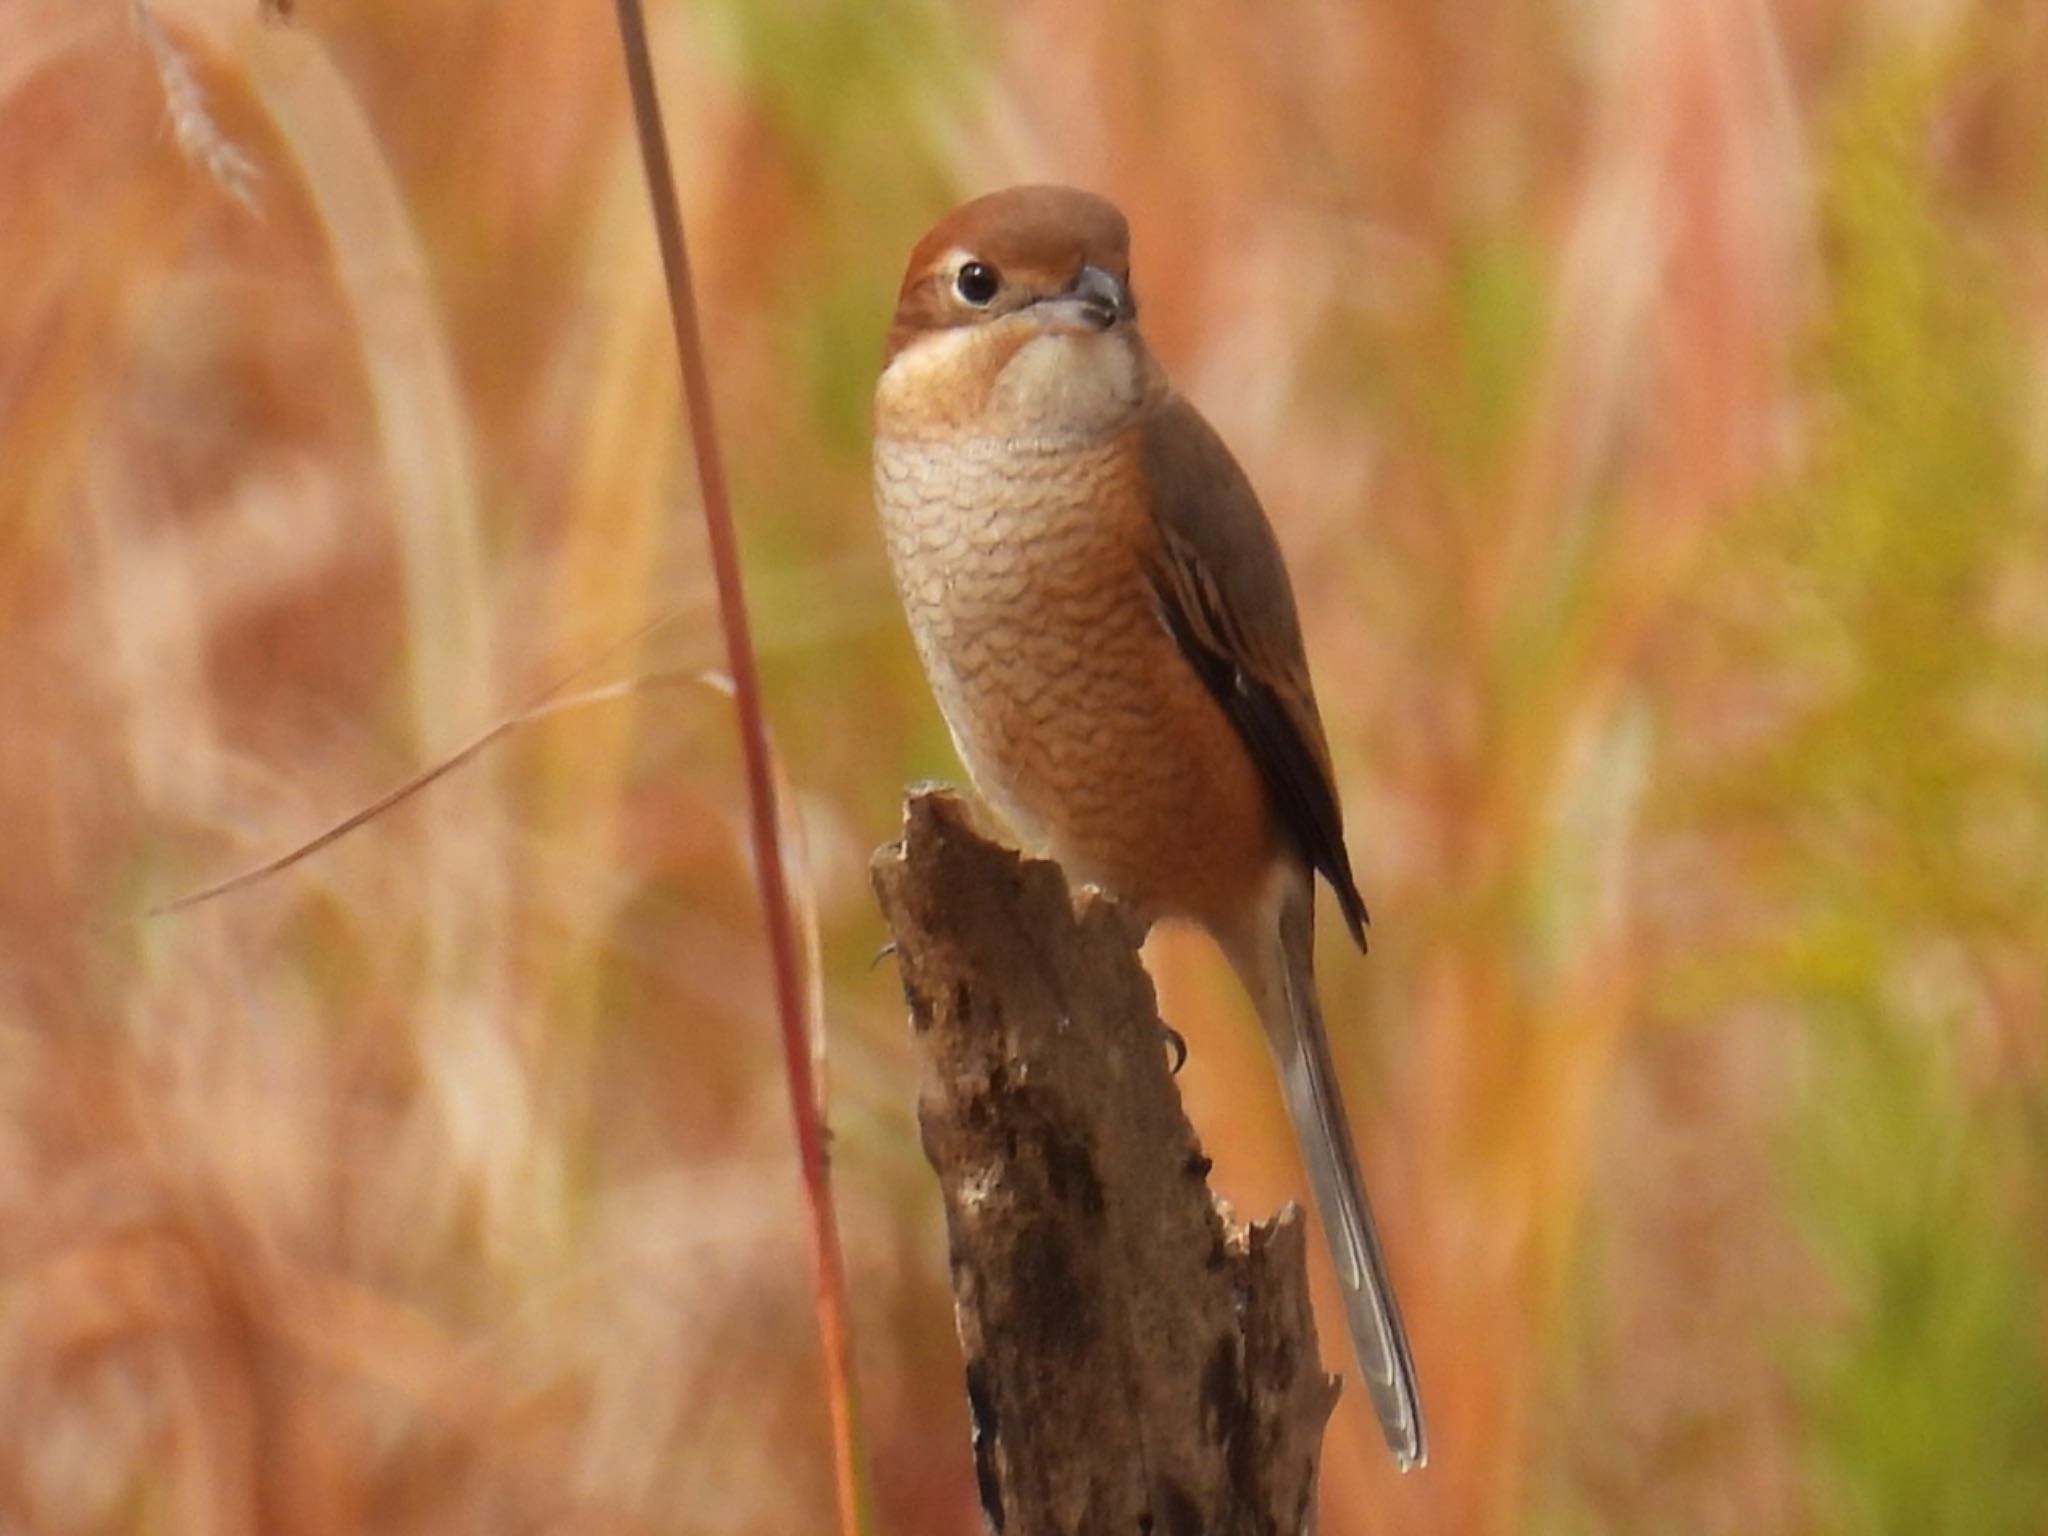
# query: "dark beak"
(1102, 297)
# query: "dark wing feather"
(1222, 594)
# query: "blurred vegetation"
(1910, 879)
(1651, 399)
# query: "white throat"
(1056, 387)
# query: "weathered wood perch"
(1137, 1361)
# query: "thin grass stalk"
(829, 1262)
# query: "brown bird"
(1102, 610)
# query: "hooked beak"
(1095, 298)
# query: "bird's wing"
(1223, 594)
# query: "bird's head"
(1016, 317)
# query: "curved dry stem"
(545, 708)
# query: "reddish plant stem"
(829, 1261)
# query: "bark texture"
(1137, 1361)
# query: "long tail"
(1283, 982)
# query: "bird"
(1101, 608)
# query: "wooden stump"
(1137, 1361)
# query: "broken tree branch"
(1136, 1360)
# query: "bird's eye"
(977, 283)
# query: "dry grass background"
(1653, 399)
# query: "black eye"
(977, 283)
